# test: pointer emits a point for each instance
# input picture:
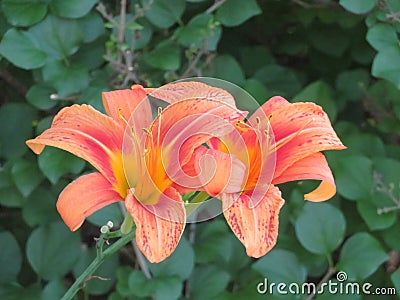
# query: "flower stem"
(102, 255)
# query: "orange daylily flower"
(136, 157)
(300, 132)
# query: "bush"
(344, 55)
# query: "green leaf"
(235, 12)
(281, 266)
(354, 177)
(26, 176)
(89, 57)
(106, 270)
(207, 281)
(13, 291)
(386, 191)
(330, 40)
(390, 236)
(164, 13)
(39, 95)
(138, 284)
(11, 197)
(9, 194)
(138, 38)
(53, 250)
(353, 84)
(180, 263)
(387, 65)
(358, 6)
(361, 256)
(123, 276)
(55, 289)
(40, 208)
(21, 50)
(355, 144)
(167, 288)
(92, 25)
(396, 280)
(110, 212)
(54, 163)
(279, 80)
(51, 33)
(252, 58)
(226, 67)
(67, 80)
(382, 36)
(10, 257)
(72, 8)
(165, 56)
(200, 32)
(257, 90)
(24, 12)
(321, 93)
(44, 124)
(368, 210)
(320, 227)
(209, 244)
(15, 116)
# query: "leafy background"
(343, 55)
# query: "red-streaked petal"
(88, 134)
(315, 167)
(251, 146)
(257, 227)
(273, 104)
(300, 130)
(84, 196)
(159, 227)
(184, 126)
(179, 91)
(121, 104)
(219, 172)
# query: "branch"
(316, 4)
(324, 279)
(102, 10)
(213, 7)
(121, 27)
(102, 255)
(13, 82)
(194, 62)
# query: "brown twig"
(102, 10)
(193, 63)
(13, 82)
(316, 4)
(324, 279)
(213, 7)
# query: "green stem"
(96, 263)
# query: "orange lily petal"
(88, 134)
(251, 145)
(184, 126)
(315, 167)
(219, 172)
(273, 104)
(257, 227)
(122, 104)
(300, 130)
(158, 227)
(84, 196)
(179, 91)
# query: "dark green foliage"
(343, 55)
